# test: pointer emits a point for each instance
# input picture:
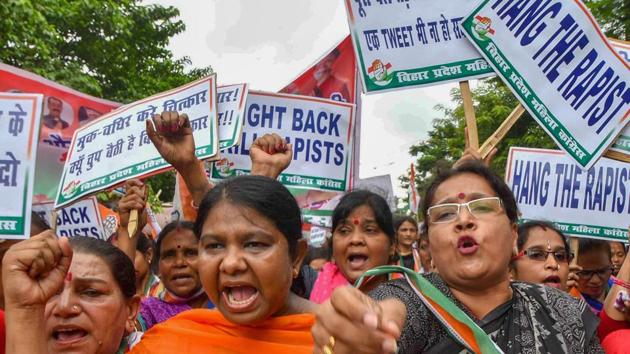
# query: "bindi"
(69, 277)
(461, 195)
(355, 221)
(179, 246)
(548, 246)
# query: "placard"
(116, 147)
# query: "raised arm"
(172, 136)
(270, 155)
(134, 199)
(32, 271)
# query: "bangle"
(620, 282)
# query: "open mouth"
(552, 280)
(467, 245)
(68, 335)
(357, 261)
(181, 278)
(240, 298)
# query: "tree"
(493, 102)
(115, 49)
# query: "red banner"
(333, 76)
(64, 110)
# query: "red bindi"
(179, 246)
(69, 276)
(461, 195)
(355, 221)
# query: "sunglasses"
(542, 255)
(602, 273)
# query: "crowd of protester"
(234, 278)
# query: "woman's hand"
(135, 198)
(471, 154)
(572, 279)
(34, 270)
(270, 155)
(172, 136)
(357, 323)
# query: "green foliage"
(164, 182)
(613, 16)
(115, 49)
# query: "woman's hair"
(526, 227)
(400, 220)
(263, 195)
(357, 198)
(144, 243)
(119, 264)
(587, 245)
(171, 226)
(496, 183)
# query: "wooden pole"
(132, 227)
(617, 156)
(500, 133)
(575, 248)
(469, 113)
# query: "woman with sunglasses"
(596, 270)
(470, 216)
(543, 255)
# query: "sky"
(269, 43)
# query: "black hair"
(144, 243)
(119, 264)
(172, 226)
(38, 221)
(587, 245)
(401, 220)
(526, 227)
(475, 167)
(263, 195)
(379, 206)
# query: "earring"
(295, 273)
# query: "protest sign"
(320, 131)
(19, 128)
(621, 147)
(231, 107)
(116, 147)
(560, 66)
(82, 218)
(334, 76)
(64, 110)
(549, 185)
(404, 44)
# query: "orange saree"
(207, 331)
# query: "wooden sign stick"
(496, 137)
(132, 226)
(53, 226)
(575, 248)
(469, 113)
(617, 156)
